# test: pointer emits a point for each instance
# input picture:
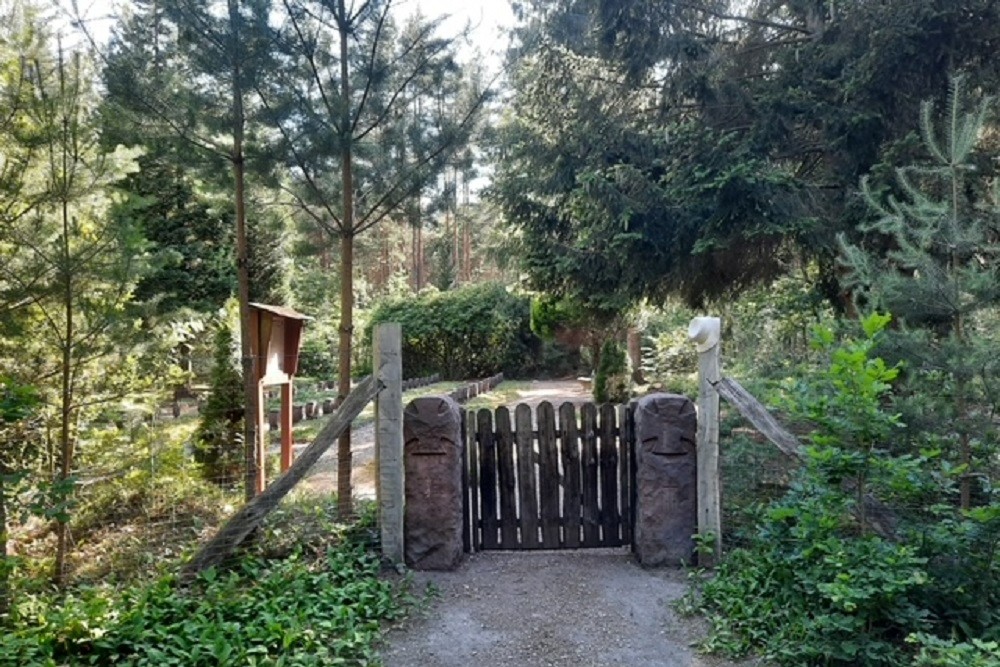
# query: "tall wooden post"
(706, 333)
(390, 488)
(262, 441)
(287, 437)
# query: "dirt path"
(591, 608)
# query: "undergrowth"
(293, 598)
(826, 577)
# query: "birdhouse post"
(275, 341)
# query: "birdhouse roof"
(280, 311)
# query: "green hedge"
(469, 332)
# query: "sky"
(485, 17)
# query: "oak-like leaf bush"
(469, 332)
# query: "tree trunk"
(420, 255)
(345, 505)
(243, 271)
(413, 258)
(635, 355)
(4, 563)
(66, 380)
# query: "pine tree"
(941, 274)
(219, 442)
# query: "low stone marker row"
(317, 409)
(473, 389)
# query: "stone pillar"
(666, 512)
(432, 430)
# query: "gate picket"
(488, 479)
(574, 488)
(572, 505)
(467, 527)
(508, 483)
(548, 475)
(589, 481)
(610, 522)
(625, 470)
(526, 476)
(473, 438)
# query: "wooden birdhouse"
(275, 341)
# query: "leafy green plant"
(815, 584)
(310, 606)
(844, 406)
(937, 652)
(464, 333)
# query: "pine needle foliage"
(933, 261)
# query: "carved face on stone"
(429, 428)
(674, 439)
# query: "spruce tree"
(940, 276)
(219, 441)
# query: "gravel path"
(593, 608)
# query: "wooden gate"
(543, 483)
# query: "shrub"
(818, 583)
(219, 441)
(611, 382)
(472, 331)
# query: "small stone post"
(434, 492)
(389, 485)
(706, 333)
(666, 512)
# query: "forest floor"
(588, 608)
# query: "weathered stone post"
(433, 524)
(666, 512)
(706, 333)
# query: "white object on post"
(390, 483)
(706, 333)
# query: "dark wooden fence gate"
(544, 483)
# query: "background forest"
(820, 173)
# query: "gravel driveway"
(588, 608)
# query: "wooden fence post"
(389, 485)
(706, 333)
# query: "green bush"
(821, 581)
(469, 332)
(611, 382)
(219, 440)
(316, 358)
(936, 652)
